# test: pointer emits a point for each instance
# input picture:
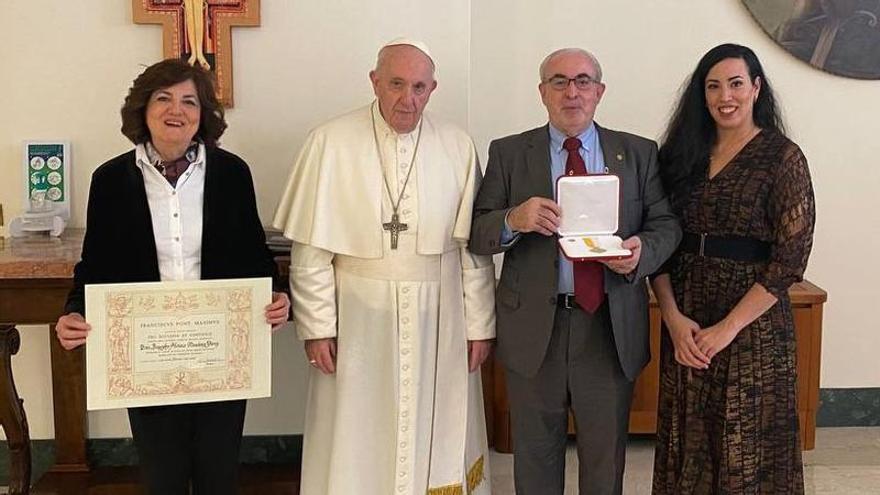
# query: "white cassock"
(402, 415)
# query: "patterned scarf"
(172, 170)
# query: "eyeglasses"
(560, 83)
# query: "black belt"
(566, 301)
(735, 248)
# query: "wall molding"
(255, 449)
(848, 407)
(838, 407)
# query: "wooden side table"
(35, 277)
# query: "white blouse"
(177, 216)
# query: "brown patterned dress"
(733, 428)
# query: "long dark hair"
(162, 75)
(684, 153)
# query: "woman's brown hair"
(162, 75)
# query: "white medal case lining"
(590, 209)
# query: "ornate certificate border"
(177, 342)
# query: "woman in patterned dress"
(727, 416)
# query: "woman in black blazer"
(176, 207)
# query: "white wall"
(66, 66)
(646, 50)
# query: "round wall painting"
(837, 36)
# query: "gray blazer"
(519, 168)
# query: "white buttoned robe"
(401, 415)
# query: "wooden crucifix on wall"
(199, 31)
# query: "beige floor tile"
(845, 461)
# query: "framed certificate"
(163, 343)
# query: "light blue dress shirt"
(591, 152)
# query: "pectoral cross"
(395, 227)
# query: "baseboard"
(838, 407)
(849, 407)
(260, 449)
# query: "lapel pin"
(619, 157)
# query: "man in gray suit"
(563, 349)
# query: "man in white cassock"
(396, 314)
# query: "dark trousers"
(191, 443)
(581, 371)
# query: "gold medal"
(592, 245)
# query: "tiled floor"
(845, 461)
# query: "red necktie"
(589, 277)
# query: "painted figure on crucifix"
(193, 26)
(195, 21)
(198, 31)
